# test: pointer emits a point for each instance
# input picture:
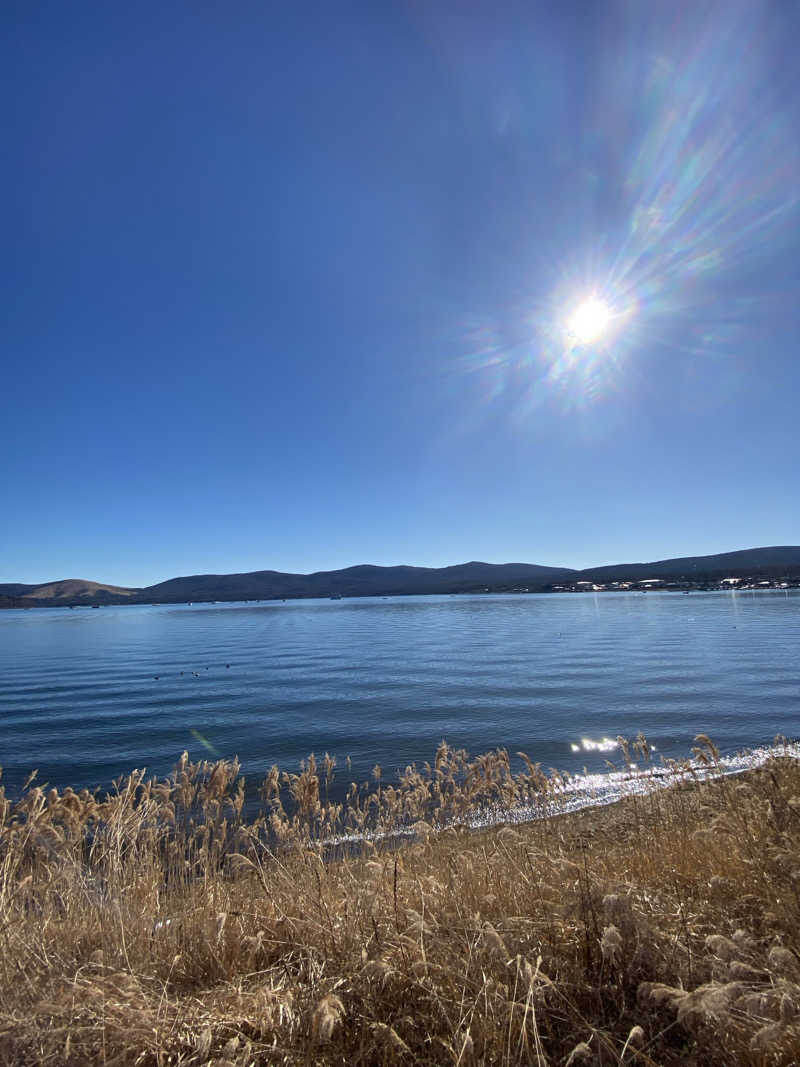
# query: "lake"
(86, 695)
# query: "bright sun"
(589, 320)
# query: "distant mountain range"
(365, 580)
(71, 591)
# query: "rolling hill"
(770, 562)
(367, 580)
(76, 589)
(362, 580)
(68, 591)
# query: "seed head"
(765, 1039)
(722, 947)
(580, 1054)
(782, 960)
(493, 942)
(327, 1016)
(788, 1010)
(611, 944)
(636, 1038)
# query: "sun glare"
(589, 320)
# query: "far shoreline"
(647, 586)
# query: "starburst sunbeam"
(695, 188)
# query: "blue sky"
(290, 285)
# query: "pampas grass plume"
(327, 1016)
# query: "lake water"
(86, 695)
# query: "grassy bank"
(162, 926)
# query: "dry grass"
(162, 925)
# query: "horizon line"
(389, 566)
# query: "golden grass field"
(164, 925)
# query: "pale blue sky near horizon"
(289, 286)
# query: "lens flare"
(670, 234)
(204, 742)
(589, 320)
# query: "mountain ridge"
(364, 579)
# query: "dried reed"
(168, 923)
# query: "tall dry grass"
(168, 923)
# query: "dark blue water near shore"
(87, 695)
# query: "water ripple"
(86, 695)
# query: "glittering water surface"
(87, 695)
